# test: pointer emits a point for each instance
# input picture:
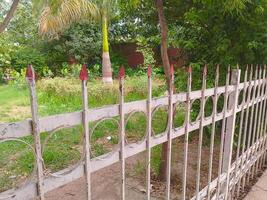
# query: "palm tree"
(59, 14)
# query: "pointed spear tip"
(30, 73)
(122, 72)
(149, 71)
(84, 73)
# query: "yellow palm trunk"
(106, 65)
(105, 34)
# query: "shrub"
(64, 94)
(24, 56)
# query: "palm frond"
(56, 17)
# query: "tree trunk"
(106, 64)
(9, 15)
(166, 66)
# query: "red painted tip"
(30, 73)
(122, 72)
(189, 69)
(84, 73)
(172, 70)
(149, 71)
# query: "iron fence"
(233, 174)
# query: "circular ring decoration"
(30, 177)
(175, 112)
(198, 115)
(220, 99)
(153, 114)
(72, 167)
(241, 99)
(105, 156)
(205, 103)
(127, 120)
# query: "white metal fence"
(233, 175)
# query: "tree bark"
(164, 43)
(166, 66)
(106, 64)
(9, 15)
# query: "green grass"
(64, 147)
(14, 103)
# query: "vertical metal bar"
(122, 131)
(261, 120)
(247, 90)
(265, 146)
(84, 78)
(255, 129)
(260, 91)
(262, 109)
(243, 161)
(250, 138)
(240, 133)
(200, 140)
(187, 121)
(264, 117)
(264, 130)
(169, 135)
(214, 113)
(231, 132)
(222, 134)
(30, 77)
(149, 131)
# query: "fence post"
(122, 131)
(201, 127)
(169, 134)
(186, 135)
(149, 131)
(230, 127)
(30, 77)
(84, 78)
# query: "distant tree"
(59, 14)
(9, 15)
(220, 31)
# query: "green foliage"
(83, 41)
(225, 32)
(146, 50)
(24, 56)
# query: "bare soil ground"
(106, 182)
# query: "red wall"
(134, 58)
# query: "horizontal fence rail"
(233, 174)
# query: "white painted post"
(201, 127)
(214, 111)
(84, 78)
(30, 77)
(122, 132)
(218, 189)
(149, 131)
(169, 134)
(230, 129)
(241, 131)
(186, 135)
